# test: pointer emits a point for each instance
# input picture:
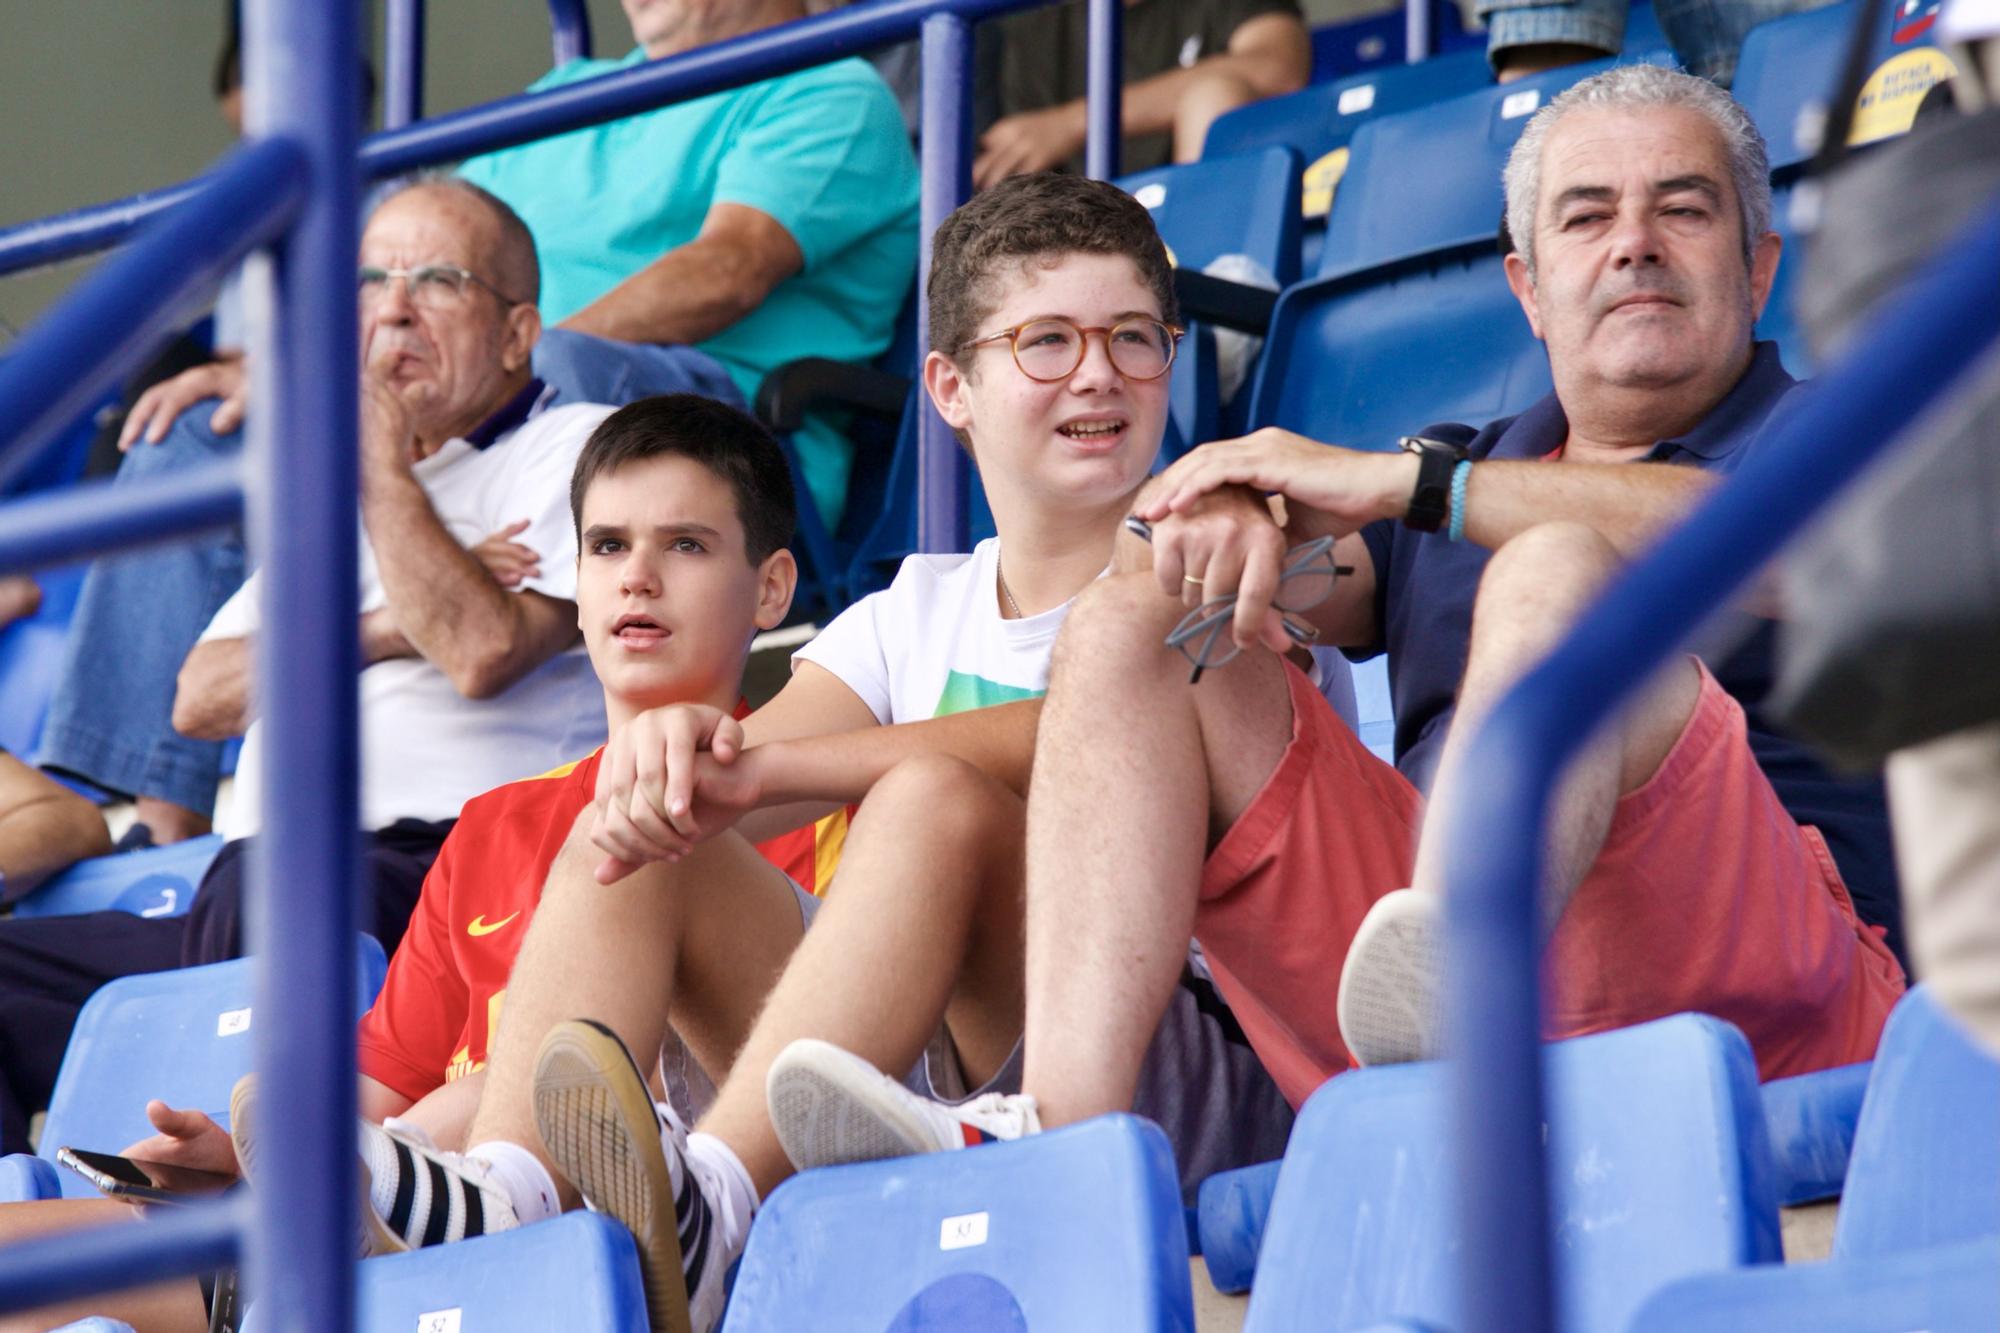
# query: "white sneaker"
(414, 1194)
(829, 1106)
(1390, 999)
(628, 1157)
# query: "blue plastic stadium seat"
(577, 1271)
(1260, 225)
(1926, 1165)
(1080, 1228)
(1656, 1155)
(1954, 1289)
(1811, 1119)
(159, 881)
(1378, 41)
(181, 1036)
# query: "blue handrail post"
(300, 57)
(403, 64)
(569, 31)
(947, 180)
(1104, 88)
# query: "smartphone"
(131, 1180)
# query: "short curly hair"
(1029, 220)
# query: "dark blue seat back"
(1078, 1228)
(1926, 1164)
(1657, 1162)
(1381, 41)
(1261, 224)
(1955, 1288)
(182, 1036)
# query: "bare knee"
(1550, 565)
(1117, 624)
(942, 798)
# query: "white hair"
(1629, 86)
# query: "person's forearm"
(212, 693)
(446, 606)
(687, 295)
(840, 769)
(1629, 504)
(1148, 106)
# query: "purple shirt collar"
(507, 416)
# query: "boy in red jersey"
(684, 507)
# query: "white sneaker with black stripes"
(629, 1158)
(415, 1194)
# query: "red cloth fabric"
(1707, 896)
(440, 1004)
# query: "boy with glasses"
(1052, 332)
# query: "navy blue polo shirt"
(1424, 589)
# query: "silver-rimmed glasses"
(433, 286)
(1307, 579)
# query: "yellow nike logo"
(477, 926)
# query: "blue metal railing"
(1918, 346)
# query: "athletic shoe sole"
(597, 1120)
(830, 1107)
(375, 1239)
(1391, 982)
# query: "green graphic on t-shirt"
(963, 693)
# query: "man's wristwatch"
(1430, 503)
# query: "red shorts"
(1707, 896)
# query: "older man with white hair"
(1689, 862)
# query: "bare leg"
(163, 1307)
(445, 1113)
(698, 943)
(1518, 62)
(20, 597)
(1533, 590)
(171, 823)
(44, 826)
(1208, 96)
(923, 923)
(1136, 773)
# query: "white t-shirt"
(934, 642)
(426, 749)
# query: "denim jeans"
(1706, 34)
(586, 369)
(136, 617)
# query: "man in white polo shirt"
(473, 671)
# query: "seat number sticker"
(962, 1232)
(1516, 105)
(1357, 99)
(232, 1021)
(439, 1321)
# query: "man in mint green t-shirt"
(704, 244)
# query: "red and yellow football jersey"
(440, 1004)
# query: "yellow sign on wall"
(1888, 102)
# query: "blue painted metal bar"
(116, 318)
(947, 181)
(1104, 84)
(1917, 347)
(403, 63)
(569, 31)
(516, 120)
(97, 518)
(299, 56)
(1416, 31)
(197, 1239)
